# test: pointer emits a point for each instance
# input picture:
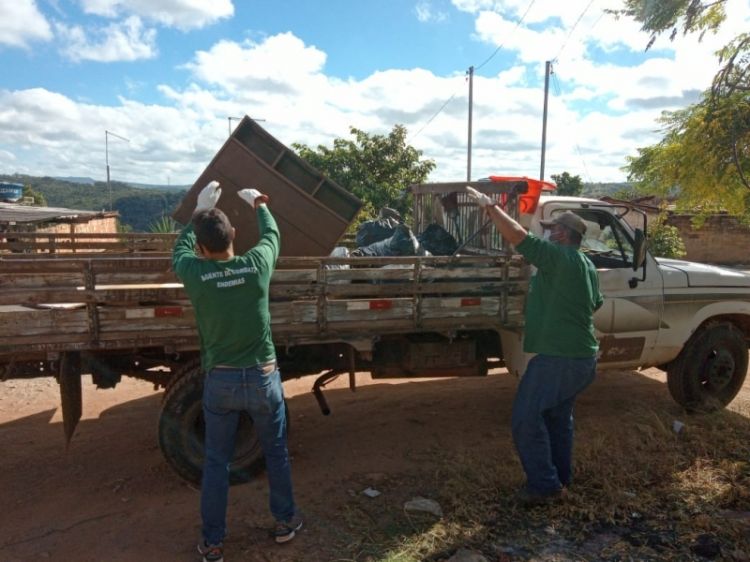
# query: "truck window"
(606, 242)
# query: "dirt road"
(112, 497)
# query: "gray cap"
(569, 219)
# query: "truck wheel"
(181, 429)
(710, 370)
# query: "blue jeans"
(543, 419)
(226, 393)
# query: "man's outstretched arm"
(505, 224)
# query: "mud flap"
(70, 393)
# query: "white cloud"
(427, 13)
(281, 64)
(21, 23)
(183, 14)
(611, 94)
(127, 40)
(48, 133)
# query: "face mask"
(546, 234)
(557, 236)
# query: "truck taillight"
(381, 304)
(162, 311)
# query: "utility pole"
(471, 111)
(547, 72)
(106, 151)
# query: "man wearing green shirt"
(229, 295)
(559, 329)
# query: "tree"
(664, 240)
(567, 184)
(705, 151)
(36, 196)
(697, 155)
(658, 16)
(375, 168)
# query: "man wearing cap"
(229, 294)
(559, 329)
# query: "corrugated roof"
(13, 213)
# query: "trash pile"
(387, 235)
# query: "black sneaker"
(526, 498)
(285, 530)
(211, 552)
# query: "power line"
(442, 107)
(574, 130)
(519, 22)
(476, 68)
(572, 29)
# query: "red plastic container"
(528, 201)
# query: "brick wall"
(721, 239)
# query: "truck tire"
(710, 370)
(181, 431)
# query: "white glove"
(208, 197)
(253, 197)
(479, 198)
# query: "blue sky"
(166, 74)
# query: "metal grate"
(448, 205)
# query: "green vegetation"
(664, 240)
(567, 184)
(138, 208)
(164, 225)
(37, 197)
(375, 168)
(705, 150)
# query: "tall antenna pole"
(471, 111)
(106, 150)
(547, 71)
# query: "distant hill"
(139, 208)
(596, 189)
(160, 187)
(87, 181)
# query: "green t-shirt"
(563, 295)
(230, 297)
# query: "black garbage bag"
(378, 229)
(401, 243)
(438, 241)
(375, 230)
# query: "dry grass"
(641, 492)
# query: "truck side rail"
(49, 305)
(32, 244)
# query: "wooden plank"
(86, 255)
(100, 295)
(24, 281)
(135, 278)
(294, 276)
(42, 322)
(129, 236)
(400, 289)
(177, 339)
(69, 245)
(365, 310)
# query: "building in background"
(10, 192)
(61, 224)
